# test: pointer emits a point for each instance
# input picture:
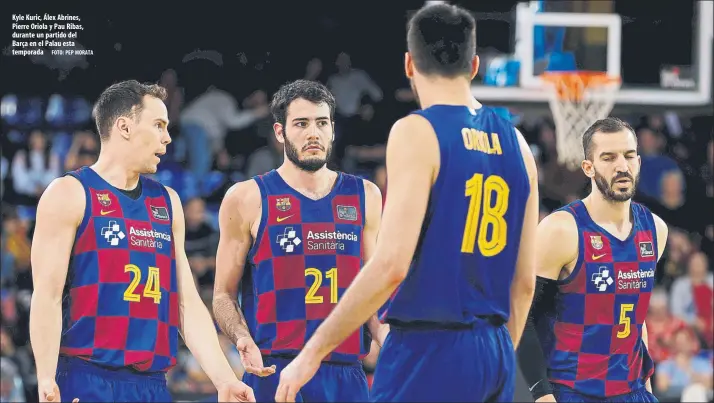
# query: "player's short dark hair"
(607, 125)
(124, 98)
(308, 90)
(441, 39)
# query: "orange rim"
(571, 85)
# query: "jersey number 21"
(492, 193)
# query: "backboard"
(662, 52)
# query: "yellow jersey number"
(310, 297)
(625, 320)
(492, 193)
(152, 288)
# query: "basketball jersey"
(466, 256)
(307, 252)
(594, 343)
(120, 306)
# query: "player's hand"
(295, 376)
(546, 398)
(49, 392)
(251, 358)
(235, 392)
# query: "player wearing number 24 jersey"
(112, 285)
(456, 241)
(586, 338)
(301, 233)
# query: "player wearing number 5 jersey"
(586, 337)
(457, 234)
(302, 230)
(112, 285)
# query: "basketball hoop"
(577, 100)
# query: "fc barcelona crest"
(283, 204)
(596, 241)
(104, 199)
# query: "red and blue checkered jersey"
(120, 307)
(307, 252)
(593, 343)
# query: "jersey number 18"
(493, 194)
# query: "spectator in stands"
(313, 70)
(34, 167)
(679, 248)
(654, 164)
(684, 370)
(661, 326)
(11, 388)
(16, 242)
(559, 183)
(672, 190)
(174, 96)
(349, 85)
(265, 158)
(692, 295)
(3, 174)
(21, 359)
(201, 242)
(205, 122)
(84, 151)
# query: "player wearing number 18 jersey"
(586, 338)
(112, 285)
(303, 230)
(457, 234)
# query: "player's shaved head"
(441, 39)
(125, 98)
(607, 126)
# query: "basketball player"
(458, 235)
(586, 338)
(112, 284)
(303, 230)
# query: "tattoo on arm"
(230, 318)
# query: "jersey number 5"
(477, 224)
(625, 320)
(310, 297)
(152, 288)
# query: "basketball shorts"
(332, 383)
(89, 382)
(473, 364)
(563, 393)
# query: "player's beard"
(608, 191)
(309, 164)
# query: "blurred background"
(221, 65)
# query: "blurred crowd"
(220, 137)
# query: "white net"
(577, 101)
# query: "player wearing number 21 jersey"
(586, 338)
(112, 285)
(301, 232)
(456, 242)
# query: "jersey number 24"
(488, 203)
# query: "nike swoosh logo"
(598, 257)
(534, 385)
(102, 212)
(281, 219)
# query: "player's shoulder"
(371, 191)
(559, 223)
(64, 196)
(414, 139)
(242, 194)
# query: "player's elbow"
(524, 284)
(396, 271)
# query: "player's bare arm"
(412, 166)
(556, 248)
(59, 214)
(662, 234)
(524, 280)
(373, 201)
(239, 211)
(195, 323)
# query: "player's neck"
(320, 181)
(113, 170)
(442, 91)
(606, 211)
